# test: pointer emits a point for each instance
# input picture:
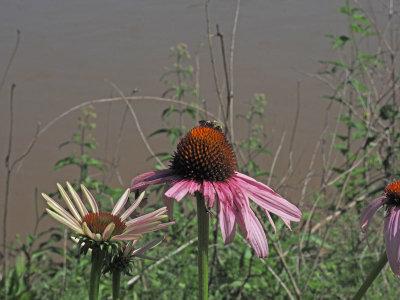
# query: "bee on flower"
(205, 163)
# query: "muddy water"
(70, 51)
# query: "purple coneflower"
(103, 226)
(392, 223)
(204, 162)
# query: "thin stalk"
(116, 283)
(203, 227)
(371, 277)
(97, 264)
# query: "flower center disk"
(392, 192)
(97, 222)
(204, 154)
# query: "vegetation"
(324, 257)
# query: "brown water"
(70, 51)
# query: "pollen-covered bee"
(213, 124)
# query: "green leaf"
(317, 240)
(76, 137)
(388, 111)
(358, 85)
(90, 145)
(373, 59)
(338, 41)
(20, 263)
(162, 130)
(361, 18)
(236, 283)
(95, 163)
(342, 137)
(337, 99)
(66, 162)
(342, 148)
(64, 144)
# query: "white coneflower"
(103, 226)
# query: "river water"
(71, 52)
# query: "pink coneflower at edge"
(392, 223)
(205, 162)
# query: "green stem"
(371, 277)
(116, 283)
(97, 264)
(202, 219)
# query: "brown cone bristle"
(97, 222)
(392, 191)
(204, 154)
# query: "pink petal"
(287, 223)
(225, 192)
(149, 176)
(168, 202)
(208, 191)
(254, 232)
(267, 198)
(270, 220)
(392, 239)
(370, 211)
(227, 222)
(178, 190)
(193, 186)
(143, 181)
